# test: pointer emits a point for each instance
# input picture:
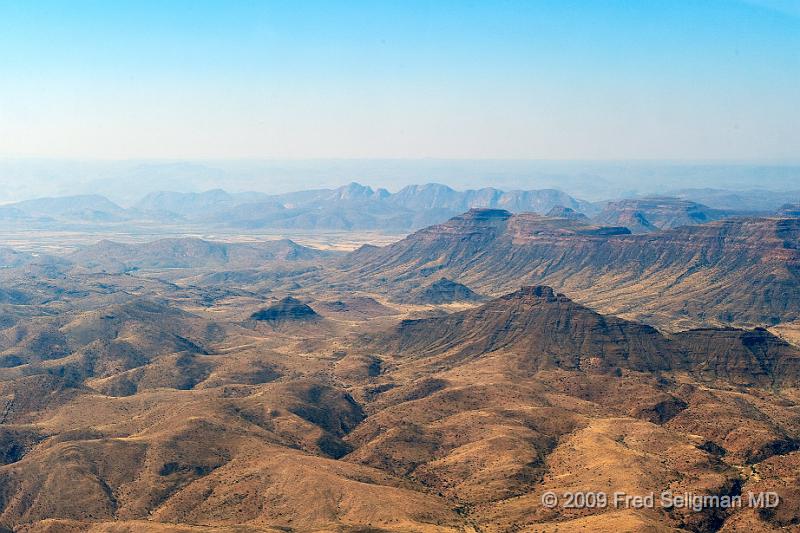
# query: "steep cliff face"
(754, 357)
(736, 271)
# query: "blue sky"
(686, 80)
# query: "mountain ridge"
(355, 207)
(656, 213)
(544, 329)
(743, 271)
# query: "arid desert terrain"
(362, 381)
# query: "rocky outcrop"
(286, 310)
(444, 291)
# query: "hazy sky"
(400, 79)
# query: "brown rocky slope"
(738, 271)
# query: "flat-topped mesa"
(527, 226)
(742, 357)
(478, 224)
(483, 213)
(479, 218)
(536, 291)
(476, 219)
(645, 215)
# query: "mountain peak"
(539, 329)
(287, 309)
(536, 291)
(560, 211)
(356, 191)
(443, 291)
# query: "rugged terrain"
(348, 208)
(741, 271)
(356, 207)
(441, 383)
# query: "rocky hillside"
(286, 310)
(540, 329)
(444, 291)
(145, 401)
(737, 271)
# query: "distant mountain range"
(356, 207)
(89, 208)
(753, 200)
(645, 215)
(351, 207)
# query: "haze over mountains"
(126, 182)
(350, 207)
(400, 267)
(654, 214)
(109, 256)
(356, 207)
(443, 382)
